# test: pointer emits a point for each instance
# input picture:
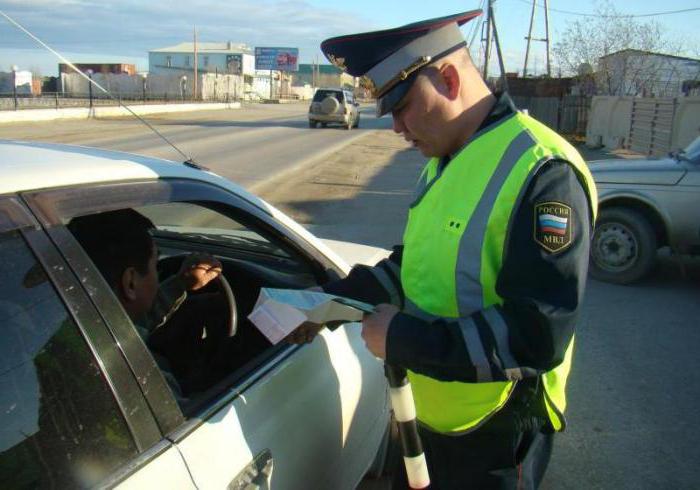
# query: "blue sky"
(124, 31)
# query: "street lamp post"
(145, 76)
(183, 86)
(89, 73)
(14, 84)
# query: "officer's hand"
(198, 270)
(307, 331)
(375, 327)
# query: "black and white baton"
(405, 414)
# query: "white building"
(647, 74)
(218, 58)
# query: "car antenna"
(189, 161)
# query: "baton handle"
(405, 414)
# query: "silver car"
(644, 205)
(334, 106)
(85, 402)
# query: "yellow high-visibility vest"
(450, 272)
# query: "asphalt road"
(248, 145)
(633, 392)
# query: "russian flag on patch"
(550, 223)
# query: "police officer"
(481, 300)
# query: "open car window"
(255, 250)
(198, 224)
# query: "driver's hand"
(198, 270)
(307, 332)
(304, 333)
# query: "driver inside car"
(187, 333)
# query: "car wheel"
(323, 125)
(623, 247)
(313, 124)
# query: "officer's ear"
(451, 80)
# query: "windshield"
(692, 151)
(322, 94)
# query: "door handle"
(257, 475)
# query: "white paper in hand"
(278, 312)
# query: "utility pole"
(194, 86)
(487, 50)
(529, 37)
(545, 39)
(546, 29)
(504, 79)
(491, 37)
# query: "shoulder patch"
(553, 226)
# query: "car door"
(292, 417)
(72, 414)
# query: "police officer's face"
(422, 118)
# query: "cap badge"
(339, 62)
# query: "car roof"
(27, 166)
(30, 165)
(33, 165)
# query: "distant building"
(322, 76)
(224, 58)
(116, 68)
(23, 83)
(647, 74)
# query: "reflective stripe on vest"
(453, 252)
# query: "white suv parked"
(334, 105)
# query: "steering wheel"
(226, 290)
(171, 264)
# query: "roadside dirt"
(358, 194)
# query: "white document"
(278, 312)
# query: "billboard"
(280, 59)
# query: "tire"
(330, 105)
(623, 248)
(313, 124)
(323, 125)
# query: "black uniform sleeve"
(378, 284)
(542, 288)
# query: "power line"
(620, 16)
